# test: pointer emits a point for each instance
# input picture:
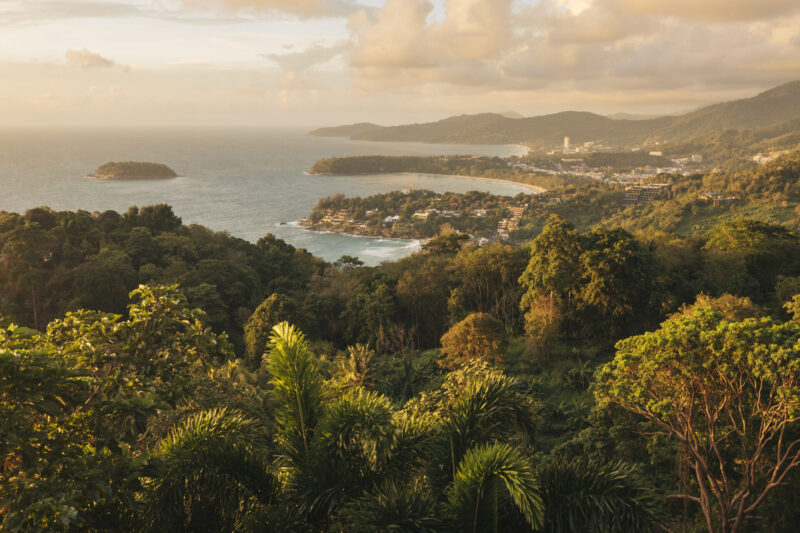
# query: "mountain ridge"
(767, 108)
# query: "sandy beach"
(534, 188)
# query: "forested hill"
(765, 109)
(594, 379)
(52, 262)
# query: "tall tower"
(566, 145)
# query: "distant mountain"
(771, 107)
(631, 116)
(512, 114)
(345, 131)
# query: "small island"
(133, 170)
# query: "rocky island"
(133, 170)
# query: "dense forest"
(640, 375)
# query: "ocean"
(246, 182)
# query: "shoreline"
(299, 225)
(533, 188)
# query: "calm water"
(243, 182)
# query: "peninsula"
(466, 166)
(133, 170)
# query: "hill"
(766, 109)
(350, 130)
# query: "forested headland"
(614, 368)
(455, 165)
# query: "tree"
(479, 336)
(357, 368)
(210, 473)
(746, 256)
(484, 472)
(77, 400)
(392, 506)
(25, 251)
(258, 329)
(728, 392)
(297, 388)
(488, 280)
(595, 284)
(423, 293)
(585, 494)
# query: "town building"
(640, 194)
(717, 198)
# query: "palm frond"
(210, 474)
(409, 508)
(297, 387)
(585, 494)
(352, 445)
(482, 474)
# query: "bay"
(246, 182)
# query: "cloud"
(36, 11)
(553, 44)
(300, 8)
(399, 37)
(707, 10)
(87, 59)
(299, 61)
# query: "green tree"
(745, 257)
(210, 474)
(478, 336)
(485, 475)
(585, 494)
(728, 393)
(403, 508)
(258, 329)
(297, 388)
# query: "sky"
(326, 62)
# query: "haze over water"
(246, 182)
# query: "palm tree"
(357, 368)
(488, 477)
(400, 508)
(211, 473)
(489, 406)
(297, 387)
(590, 495)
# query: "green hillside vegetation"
(134, 170)
(378, 164)
(768, 192)
(163, 377)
